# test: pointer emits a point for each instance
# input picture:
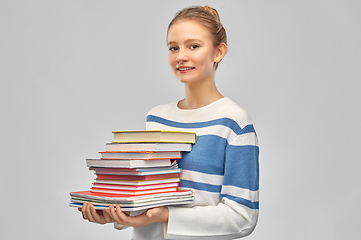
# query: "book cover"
(144, 136)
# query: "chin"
(186, 79)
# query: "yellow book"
(156, 136)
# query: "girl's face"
(191, 52)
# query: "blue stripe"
(242, 167)
(230, 123)
(239, 164)
(200, 186)
(245, 202)
(248, 129)
(211, 161)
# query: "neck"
(199, 95)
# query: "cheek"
(204, 57)
(171, 60)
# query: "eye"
(194, 46)
(172, 49)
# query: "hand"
(158, 214)
(96, 216)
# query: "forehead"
(188, 29)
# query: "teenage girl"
(222, 168)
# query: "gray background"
(74, 71)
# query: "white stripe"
(240, 192)
(224, 108)
(218, 130)
(246, 139)
(203, 198)
(202, 177)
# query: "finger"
(84, 210)
(90, 212)
(98, 216)
(114, 215)
(106, 216)
(130, 221)
(121, 214)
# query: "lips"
(184, 68)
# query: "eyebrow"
(187, 41)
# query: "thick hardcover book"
(154, 136)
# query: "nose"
(181, 56)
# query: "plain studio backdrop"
(74, 71)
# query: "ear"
(220, 52)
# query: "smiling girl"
(222, 168)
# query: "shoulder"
(232, 110)
(158, 110)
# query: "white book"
(140, 155)
(151, 147)
(135, 172)
(95, 162)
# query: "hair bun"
(212, 11)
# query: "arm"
(237, 212)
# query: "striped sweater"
(222, 169)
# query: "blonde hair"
(209, 18)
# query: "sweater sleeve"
(236, 213)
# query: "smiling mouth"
(185, 68)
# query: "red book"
(127, 177)
(134, 193)
(134, 188)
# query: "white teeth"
(183, 69)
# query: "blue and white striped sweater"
(214, 155)
(222, 169)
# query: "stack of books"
(138, 170)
